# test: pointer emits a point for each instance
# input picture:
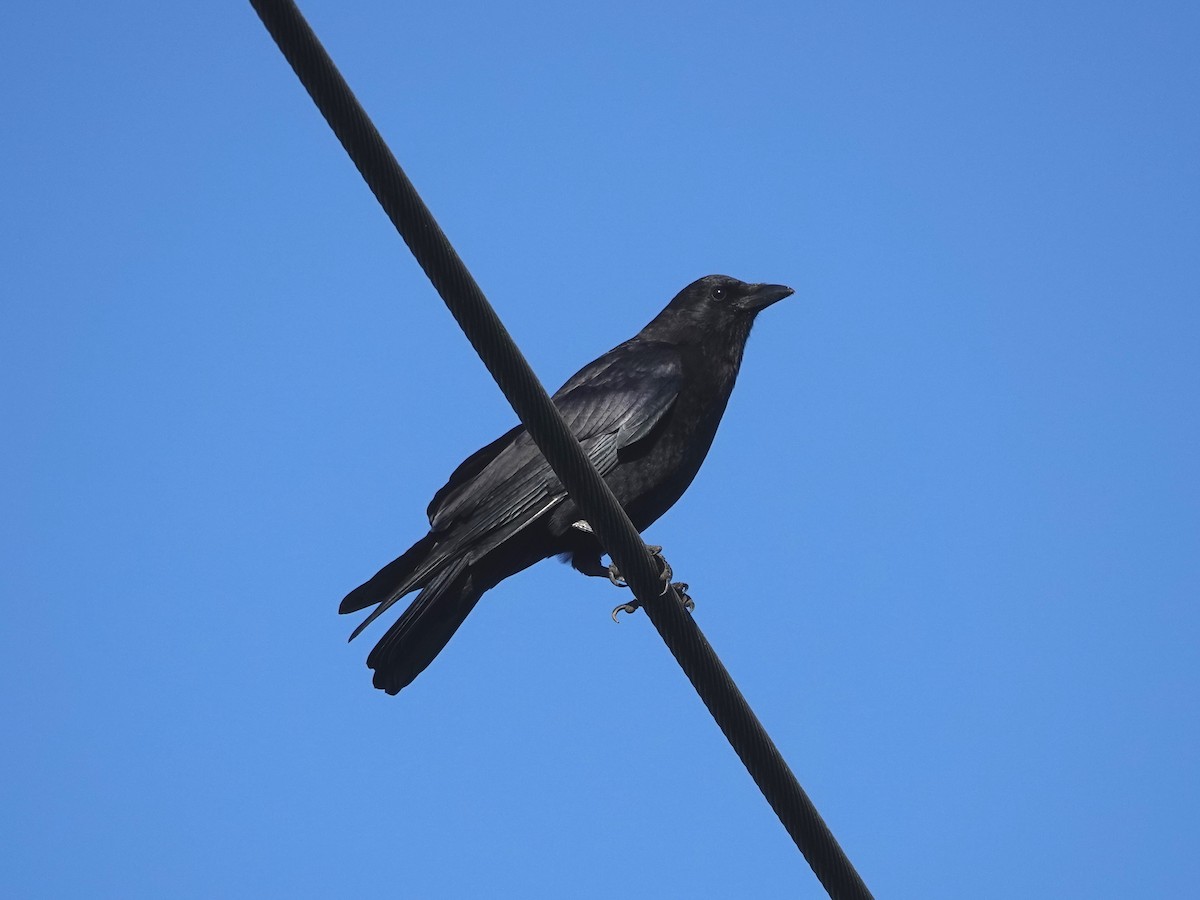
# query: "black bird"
(645, 413)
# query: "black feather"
(645, 413)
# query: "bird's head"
(721, 291)
(716, 303)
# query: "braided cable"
(487, 334)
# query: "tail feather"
(389, 582)
(425, 628)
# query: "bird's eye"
(717, 293)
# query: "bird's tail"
(448, 594)
(391, 582)
(425, 627)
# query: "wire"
(532, 404)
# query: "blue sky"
(946, 540)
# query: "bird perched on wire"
(645, 413)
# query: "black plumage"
(645, 413)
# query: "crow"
(645, 413)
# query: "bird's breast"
(653, 474)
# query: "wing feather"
(610, 404)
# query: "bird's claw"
(681, 588)
(627, 608)
(615, 576)
(666, 572)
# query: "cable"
(532, 404)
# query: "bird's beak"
(764, 295)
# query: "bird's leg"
(592, 566)
(614, 575)
(680, 588)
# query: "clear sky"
(946, 540)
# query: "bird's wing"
(506, 486)
(610, 404)
(470, 468)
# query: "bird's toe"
(681, 589)
(627, 608)
(614, 575)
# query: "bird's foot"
(680, 588)
(615, 576)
